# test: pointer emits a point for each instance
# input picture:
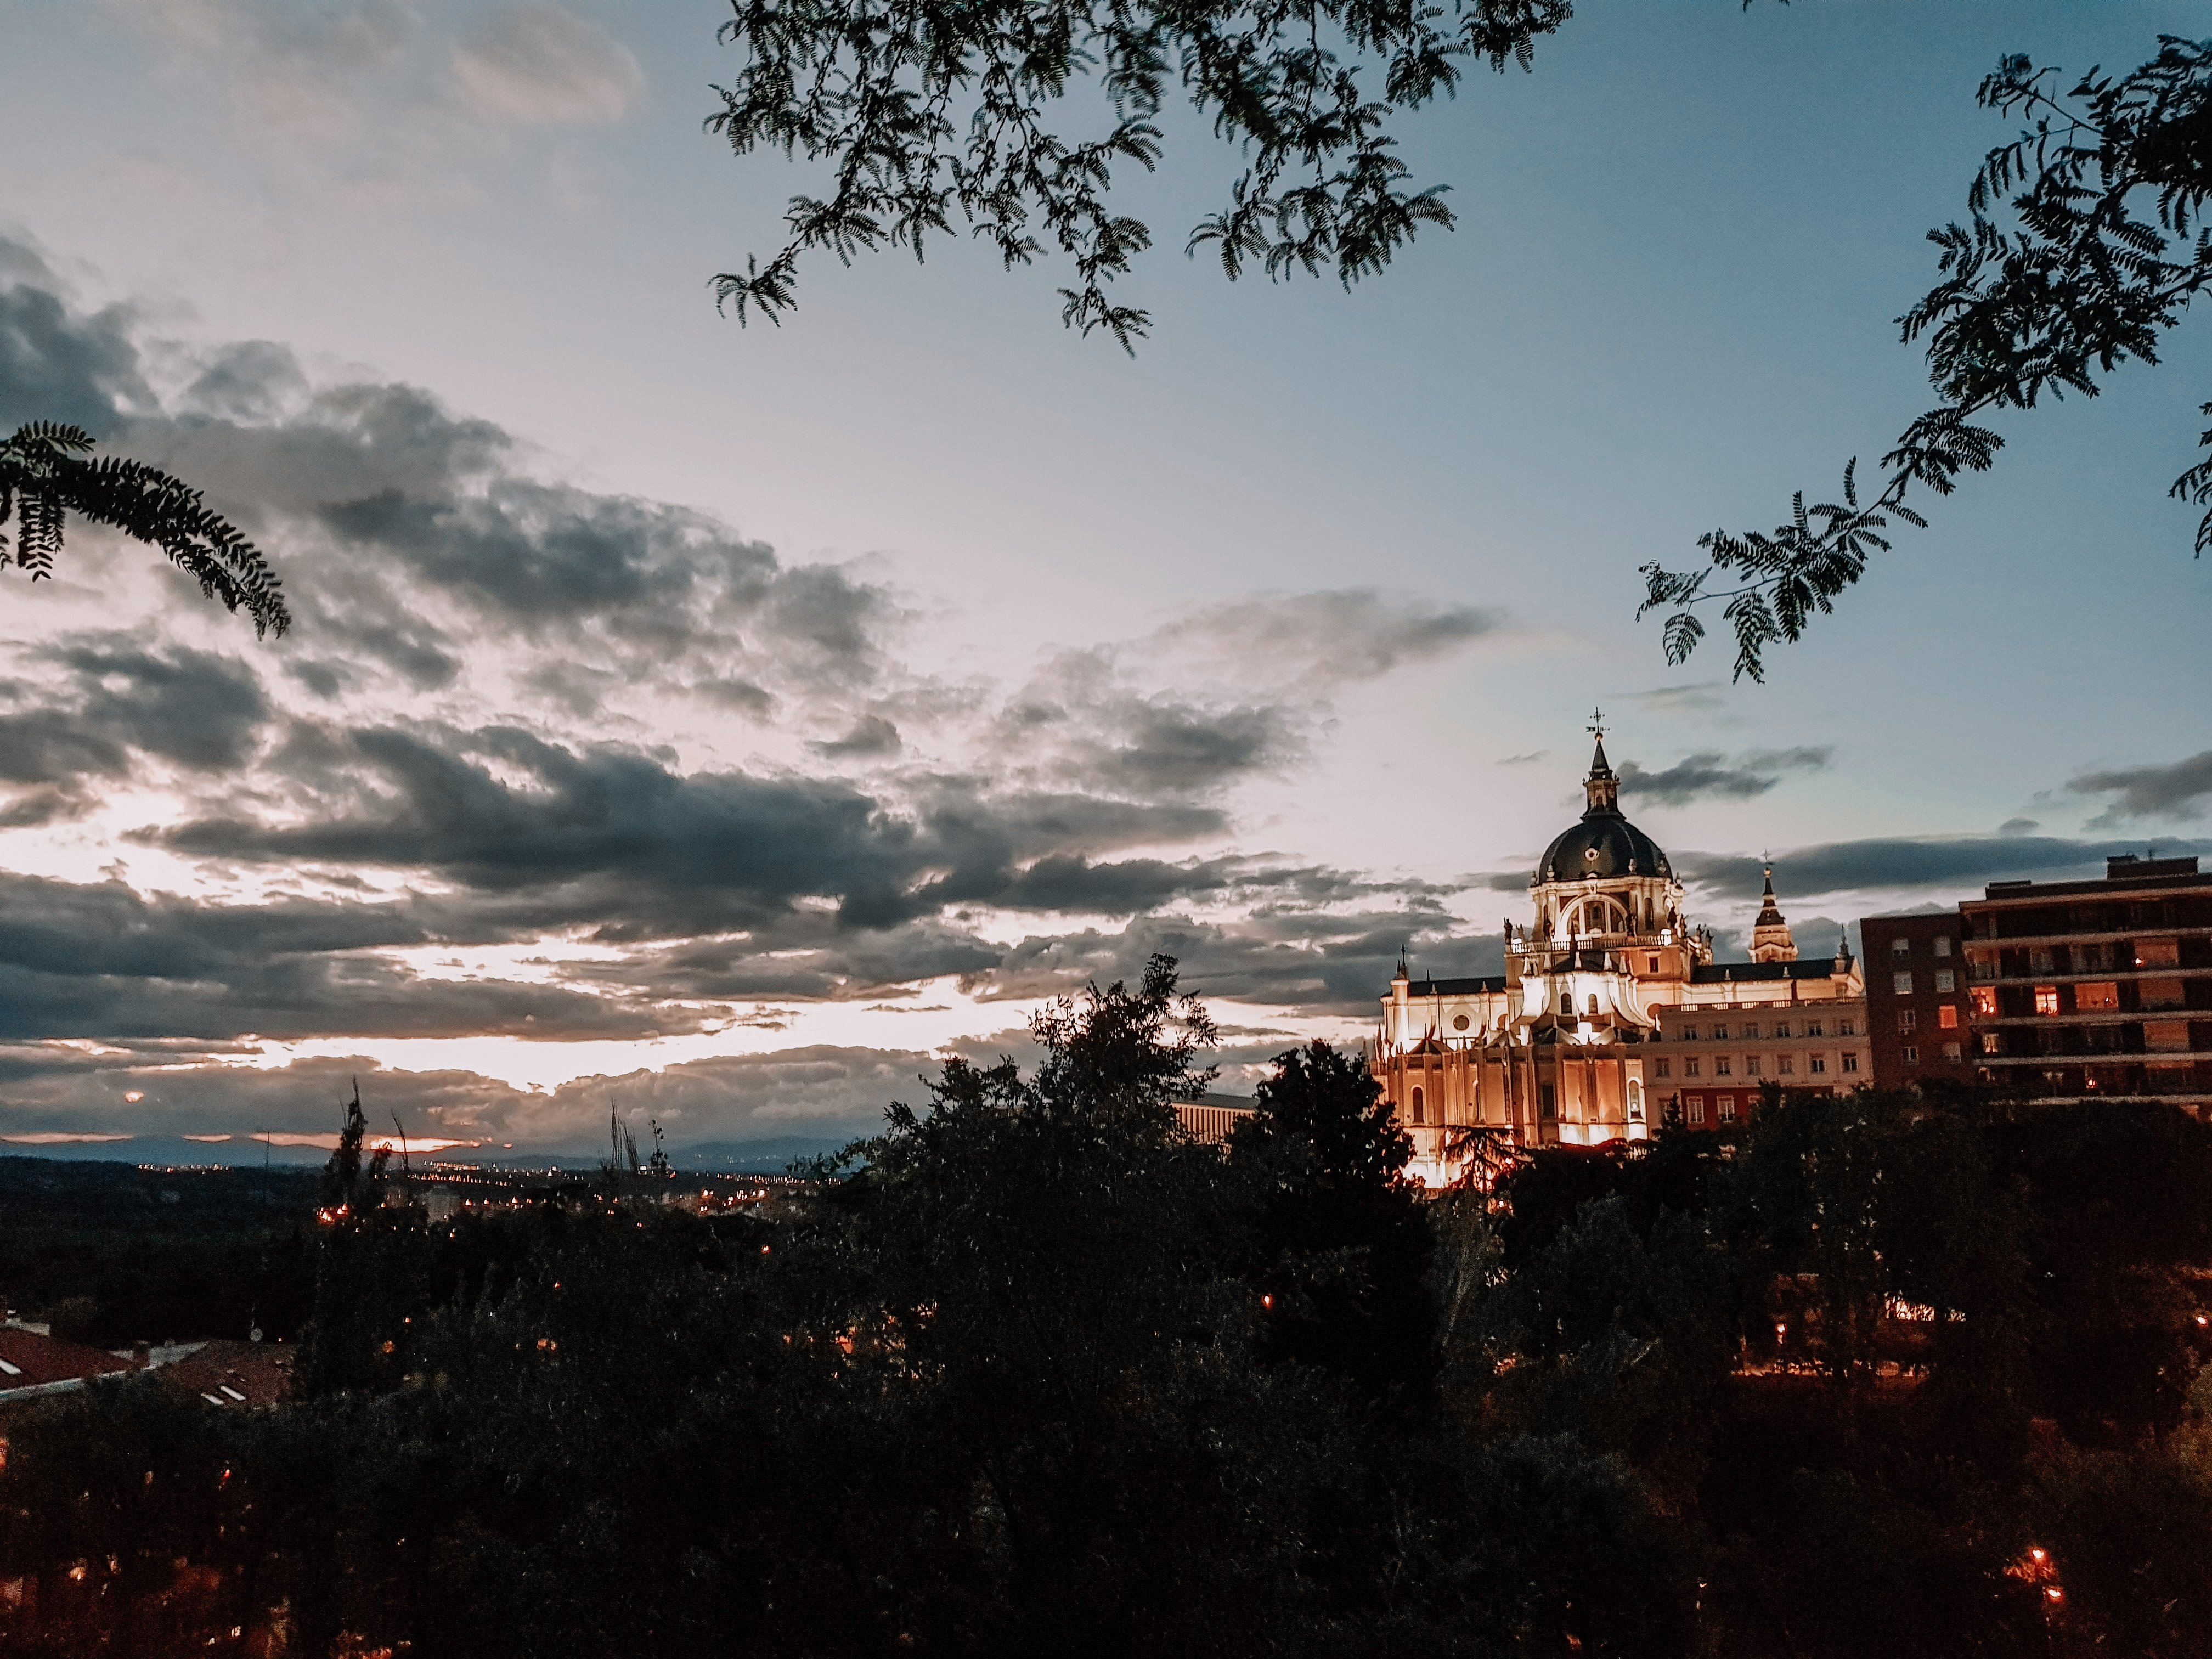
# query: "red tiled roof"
(29, 1360)
(230, 1373)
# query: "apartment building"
(2094, 989)
(1917, 1003)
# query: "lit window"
(1690, 1066)
(1907, 1022)
(1818, 1064)
(1901, 983)
(1943, 981)
(1943, 944)
(1985, 1001)
(1720, 1065)
(1420, 1112)
(1789, 1066)
(1850, 1062)
(1727, 1103)
(1900, 948)
(1992, 1042)
(2096, 995)
(1912, 1054)
(1947, 1016)
(1665, 1067)
(2046, 999)
(1751, 1064)
(1951, 1053)
(1697, 1108)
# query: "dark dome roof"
(1604, 844)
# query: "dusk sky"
(717, 723)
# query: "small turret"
(1602, 786)
(1769, 934)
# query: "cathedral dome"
(1603, 844)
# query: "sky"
(722, 725)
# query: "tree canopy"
(47, 472)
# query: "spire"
(1602, 787)
(1769, 934)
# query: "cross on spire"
(1596, 727)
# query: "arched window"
(1593, 1005)
(1420, 1112)
(1635, 1101)
(1567, 1005)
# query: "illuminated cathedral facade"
(1604, 1021)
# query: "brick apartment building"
(1918, 1001)
(2092, 989)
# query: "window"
(2158, 953)
(1907, 1022)
(1567, 1005)
(2040, 960)
(1943, 981)
(1689, 1034)
(1850, 1062)
(1690, 1066)
(1751, 1064)
(1943, 944)
(1420, 1112)
(1992, 1042)
(1782, 1028)
(1789, 1066)
(1593, 1005)
(1720, 1065)
(1651, 964)
(1720, 1034)
(2096, 994)
(1817, 1064)
(1843, 1028)
(1901, 984)
(1663, 1066)
(1548, 1101)
(2046, 999)
(1947, 1016)
(1727, 1103)
(1635, 1101)
(1900, 948)
(1985, 1001)
(1458, 1022)
(1912, 1055)
(1697, 1113)
(1751, 1033)
(1951, 1053)
(1813, 1028)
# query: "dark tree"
(47, 472)
(2103, 249)
(928, 109)
(1325, 1110)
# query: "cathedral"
(1611, 1012)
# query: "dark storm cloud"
(1960, 864)
(58, 363)
(106, 700)
(1712, 776)
(2178, 791)
(100, 960)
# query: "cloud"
(871, 738)
(532, 64)
(1700, 697)
(1528, 759)
(1952, 863)
(1327, 639)
(1715, 776)
(58, 363)
(2177, 791)
(2018, 827)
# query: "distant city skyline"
(723, 724)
